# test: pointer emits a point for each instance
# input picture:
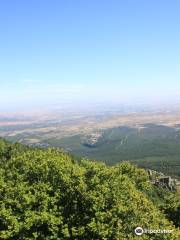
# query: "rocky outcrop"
(159, 179)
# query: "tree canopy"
(47, 194)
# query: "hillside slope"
(150, 146)
(47, 194)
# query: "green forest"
(50, 194)
(153, 146)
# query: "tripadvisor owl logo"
(139, 231)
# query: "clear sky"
(54, 51)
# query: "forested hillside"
(48, 194)
(150, 146)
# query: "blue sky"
(56, 51)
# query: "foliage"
(47, 194)
(171, 207)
